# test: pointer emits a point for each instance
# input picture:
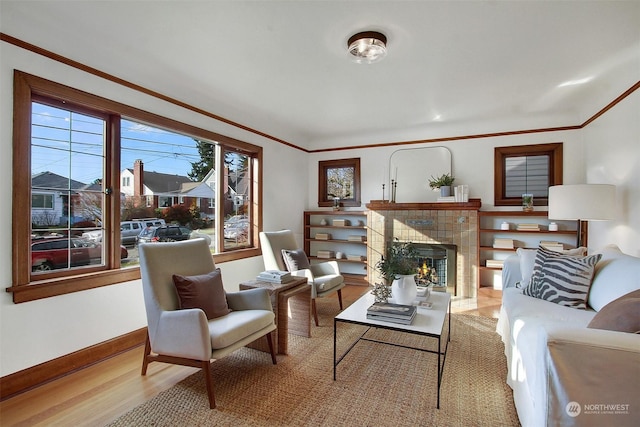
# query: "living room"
(599, 134)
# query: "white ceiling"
(281, 67)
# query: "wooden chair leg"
(314, 311)
(208, 379)
(147, 352)
(271, 349)
(340, 298)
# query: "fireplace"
(436, 265)
(446, 232)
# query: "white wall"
(472, 161)
(38, 331)
(612, 145)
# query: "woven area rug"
(377, 384)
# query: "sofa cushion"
(295, 260)
(204, 291)
(616, 275)
(622, 314)
(561, 278)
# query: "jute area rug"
(377, 384)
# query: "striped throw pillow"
(562, 279)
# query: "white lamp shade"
(586, 202)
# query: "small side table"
(290, 300)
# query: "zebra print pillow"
(562, 279)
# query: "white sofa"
(563, 373)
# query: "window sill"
(67, 285)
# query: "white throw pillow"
(616, 275)
(527, 261)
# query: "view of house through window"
(67, 166)
(168, 190)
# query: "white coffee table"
(428, 322)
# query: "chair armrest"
(249, 299)
(591, 366)
(304, 273)
(183, 333)
(325, 268)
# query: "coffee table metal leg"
(334, 348)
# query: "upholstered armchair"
(195, 336)
(280, 251)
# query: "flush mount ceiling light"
(367, 47)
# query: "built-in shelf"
(354, 271)
(489, 222)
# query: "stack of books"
(447, 199)
(500, 243)
(341, 223)
(325, 254)
(495, 263)
(528, 227)
(552, 245)
(274, 276)
(323, 236)
(355, 257)
(394, 313)
(355, 238)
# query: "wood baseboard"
(24, 380)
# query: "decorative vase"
(445, 191)
(404, 289)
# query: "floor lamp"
(582, 202)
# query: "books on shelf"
(500, 243)
(552, 245)
(341, 222)
(355, 257)
(323, 236)
(528, 227)
(447, 199)
(274, 276)
(495, 263)
(356, 238)
(325, 254)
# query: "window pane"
(237, 196)
(168, 176)
(66, 192)
(527, 174)
(340, 183)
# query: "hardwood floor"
(102, 392)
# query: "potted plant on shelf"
(442, 183)
(398, 267)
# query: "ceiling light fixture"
(367, 47)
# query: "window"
(89, 171)
(339, 179)
(528, 169)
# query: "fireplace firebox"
(436, 265)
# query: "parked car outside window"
(168, 233)
(53, 253)
(237, 231)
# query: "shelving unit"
(489, 230)
(354, 271)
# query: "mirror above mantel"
(411, 168)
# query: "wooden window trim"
(28, 87)
(323, 165)
(553, 150)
